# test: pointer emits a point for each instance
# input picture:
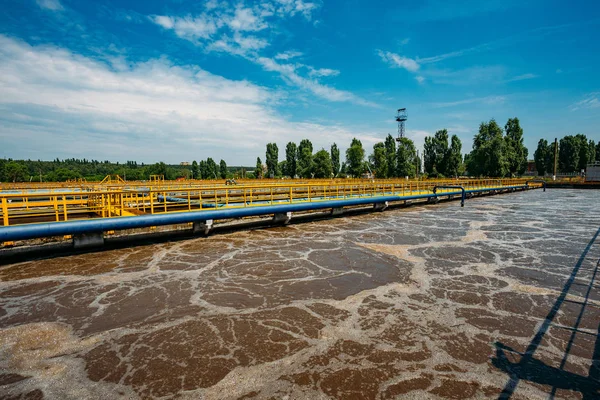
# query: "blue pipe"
(172, 199)
(464, 194)
(537, 180)
(31, 231)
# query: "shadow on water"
(530, 369)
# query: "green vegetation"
(544, 157)
(379, 160)
(355, 156)
(223, 169)
(258, 171)
(575, 152)
(272, 160)
(93, 170)
(304, 167)
(335, 159)
(495, 154)
(406, 159)
(291, 159)
(323, 167)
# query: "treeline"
(387, 160)
(575, 152)
(496, 152)
(94, 170)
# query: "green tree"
(441, 151)
(291, 158)
(379, 160)
(2, 169)
(429, 156)
(212, 169)
(587, 151)
(355, 155)
(568, 154)
(454, 157)
(406, 158)
(258, 171)
(323, 167)
(516, 152)
(541, 156)
(436, 154)
(272, 160)
(15, 172)
(282, 167)
(598, 151)
(204, 170)
(223, 169)
(488, 155)
(195, 170)
(305, 159)
(160, 168)
(335, 159)
(390, 152)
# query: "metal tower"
(401, 117)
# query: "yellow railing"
(19, 208)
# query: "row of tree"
(440, 159)
(209, 169)
(388, 160)
(575, 152)
(94, 170)
(498, 153)
(299, 161)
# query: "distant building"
(592, 172)
(531, 169)
(184, 163)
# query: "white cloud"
(420, 79)
(490, 100)
(147, 111)
(474, 75)
(226, 30)
(289, 73)
(322, 72)
(53, 5)
(591, 101)
(188, 27)
(245, 19)
(397, 61)
(287, 55)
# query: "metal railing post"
(4, 211)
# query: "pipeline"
(31, 231)
(537, 180)
(463, 196)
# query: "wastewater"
(425, 302)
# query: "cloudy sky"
(182, 80)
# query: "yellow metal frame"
(107, 201)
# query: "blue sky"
(183, 80)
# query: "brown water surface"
(412, 303)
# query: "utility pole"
(555, 157)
